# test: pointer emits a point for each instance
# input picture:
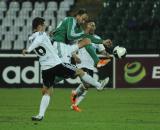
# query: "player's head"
(38, 24)
(90, 26)
(81, 16)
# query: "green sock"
(92, 53)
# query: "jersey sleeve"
(35, 43)
(71, 34)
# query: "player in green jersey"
(70, 30)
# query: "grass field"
(121, 109)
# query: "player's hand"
(107, 43)
(77, 60)
(24, 51)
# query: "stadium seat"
(19, 22)
(3, 30)
(10, 36)
(11, 14)
(64, 5)
(52, 5)
(48, 14)
(18, 44)
(6, 45)
(29, 22)
(7, 21)
(71, 2)
(61, 14)
(16, 19)
(39, 6)
(23, 13)
(53, 23)
(36, 13)
(27, 5)
(137, 18)
(14, 5)
(3, 6)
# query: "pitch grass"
(121, 109)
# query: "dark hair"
(81, 12)
(37, 21)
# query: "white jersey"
(65, 51)
(41, 44)
(86, 59)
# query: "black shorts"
(64, 70)
(88, 71)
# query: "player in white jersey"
(85, 58)
(51, 65)
(86, 64)
(65, 52)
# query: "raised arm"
(71, 34)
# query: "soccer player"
(86, 63)
(70, 29)
(51, 65)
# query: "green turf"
(121, 109)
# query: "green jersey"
(94, 38)
(68, 30)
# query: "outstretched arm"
(32, 46)
(98, 40)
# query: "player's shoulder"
(37, 36)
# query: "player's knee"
(80, 72)
(48, 91)
(86, 41)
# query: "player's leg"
(88, 79)
(78, 95)
(47, 91)
(43, 104)
(82, 89)
(75, 92)
(90, 49)
(69, 70)
(81, 96)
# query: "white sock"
(88, 79)
(78, 89)
(44, 104)
(80, 98)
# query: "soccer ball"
(119, 52)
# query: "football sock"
(88, 79)
(81, 97)
(79, 89)
(92, 53)
(44, 104)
